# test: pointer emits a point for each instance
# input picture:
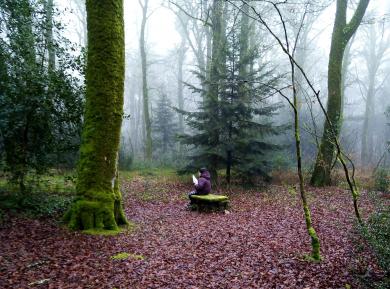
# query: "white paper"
(194, 180)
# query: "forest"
(195, 144)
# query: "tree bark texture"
(342, 33)
(49, 35)
(99, 202)
(217, 65)
(180, 85)
(145, 88)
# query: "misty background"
(176, 36)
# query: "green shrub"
(377, 234)
(38, 204)
(382, 181)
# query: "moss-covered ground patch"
(210, 198)
(125, 255)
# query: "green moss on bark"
(99, 202)
(342, 33)
(315, 241)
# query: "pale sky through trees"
(162, 35)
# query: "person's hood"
(205, 175)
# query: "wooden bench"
(209, 203)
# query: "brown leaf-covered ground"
(261, 243)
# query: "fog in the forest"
(195, 143)
(176, 47)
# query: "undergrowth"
(34, 204)
(376, 232)
(46, 196)
(382, 181)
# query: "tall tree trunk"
(375, 51)
(99, 202)
(180, 98)
(243, 67)
(244, 51)
(49, 35)
(140, 125)
(180, 85)
(207, 64)
(145, 89)
(368, 115)
(342, 33)
(216, 66)
(315, 241)
(344, 71)
(228, 166)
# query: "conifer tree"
(164, 126)
(231, 127)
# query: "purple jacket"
(204, 185)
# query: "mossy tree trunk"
(145, 88)
(99, 202)
(344, 70)
(315, 241)
(342, 33)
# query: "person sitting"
(203, 187)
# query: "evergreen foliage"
(40, 108)
(238, 115)
(165, 127)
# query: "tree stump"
(209, 203)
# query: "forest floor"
(260, 243)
